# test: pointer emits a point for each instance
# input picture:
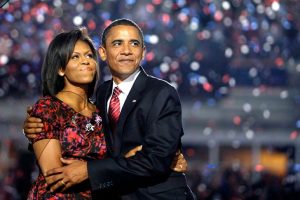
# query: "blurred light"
(207, 131)
(166, 18)
(3, 59)
(227, 21)
(237, 120)
(298, 67)
(259, 168)
(91, 24)
(130, 2)
(153, 39)
(266, 114)
(218, 15)
(260, 9)
(275, 6)
(284, 94)
(40, 18)
(244, 49)
(293, 135)
(247, 107)
(202, 79)
(77, 20)
(228, 52)
(253, 72)
(149, 56)
(236, 144)
(298, 123)
(232, 82)
(195, 66)
(150, 8)
(31, 78)
(174, 65)
(58, 3)
(267, 47)
(249, 134)
(180, 3)
(194, 25)
(226, 5)
(183, 17)
(223, 90)
(207, 87)
(79, 7)
(256, 92)
(190, 152)
(270, 13)
(279, 62)
(164, 67)
(156, 2)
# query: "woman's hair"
(58, 55)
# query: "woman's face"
(81, 68)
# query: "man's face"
(123, 51)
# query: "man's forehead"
(121, 30)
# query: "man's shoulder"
(158, 82)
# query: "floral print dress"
(80, 137)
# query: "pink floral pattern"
(78, 142)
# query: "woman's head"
(71, 59)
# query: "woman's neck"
(76, 99)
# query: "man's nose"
(126, 49)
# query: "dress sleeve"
(47, 109)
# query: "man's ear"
(102, 53)
(61, 72)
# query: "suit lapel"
(103, 96)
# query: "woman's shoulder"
(46, 104)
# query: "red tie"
(114, 108)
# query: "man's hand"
(65, 177)
(32, 125)
(179, 163)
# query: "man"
(150, 116)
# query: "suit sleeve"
(162, 138)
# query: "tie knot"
(117, 91)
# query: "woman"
(72, 124)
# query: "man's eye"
(117, 43)
(136, 43)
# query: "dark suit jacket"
(151, 116)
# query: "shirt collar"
(127, 84)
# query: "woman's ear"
(102, 53)
(61, 72)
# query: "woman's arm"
(48, 154)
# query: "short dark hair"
(117, 22)
(57, 57)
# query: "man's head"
(122, 48)
(117, 22)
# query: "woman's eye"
(89, 55)
(75, 57)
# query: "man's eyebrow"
(117, 40)
(135, 40)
